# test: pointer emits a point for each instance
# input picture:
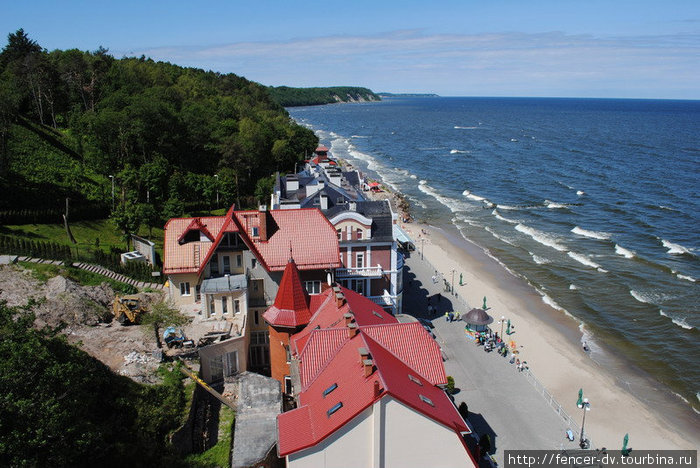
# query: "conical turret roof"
(291, 307)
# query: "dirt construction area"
(84, 312)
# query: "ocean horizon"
(593, 202)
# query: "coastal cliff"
(293, 97)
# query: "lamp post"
(502, 320)
(584, 404)
(217, 189)
(453, 282)
(112, 177)
(422, 247)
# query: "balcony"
(363, 272)
(385, 300)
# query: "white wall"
(387, 435)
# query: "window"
(329, 390)
(239, 260)
(358, 286)
(287, 354)
(340, 201)
(253, 262)
(185, 289)
(216, 367)
(255, 231)
(335, 408)
(414, 379)
(313, 287)
(317, 201)
(360, 259)
(257, 318)
(214, 265)
(224, 305)
(340, 234)
(426, 400)
(227, 265)
(360, 234)
(231, 363)
(288, 385)
(236, 306)
(198, 293)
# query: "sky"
(547, 48)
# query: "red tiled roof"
(179, 258)
(196, 225)
(312, 238)
(353, 392)
(321, 148)
(291, 307)
(326, 313)
(410, 343)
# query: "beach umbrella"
(579, 403)
(477, 317)
(508, 328)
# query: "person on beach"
(452, 316)
(447, 317)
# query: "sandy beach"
(549, 341)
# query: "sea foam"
(582, 259)
(540, 237)
(498, 216)
(680, 322)
(641, 297)
(590, 234)
(623, 251)
(456, 151)
(554, 205)
(676, 249)
(685, 277)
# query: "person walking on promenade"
(447, 317)
(452, 316)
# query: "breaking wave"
(676, 249)
(539, 260)
(685, 277)
(465, 128)
(623, 251)
(582, 259)
(680, 322)
(456, 151)
(540, 237)
(590, 234)
(554, 205)
(498, 216)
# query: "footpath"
(510, 406)
(100, 270)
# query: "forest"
(291, 97)
(134, 139)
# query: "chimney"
(377, 389)
(352, 330)
(348, 318)
(368, 366)
(324, 201)
(292, 183)
(364, 353)
(262, 223)
(339, 300)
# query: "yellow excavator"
(127, 309)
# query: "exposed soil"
(84, 315)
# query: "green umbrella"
(579, 403)
(625, 451)
(508, 328)
(484, 303)
(460, 279)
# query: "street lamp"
(217, 189)
(422, 247)
(503, 318)
(584, 404)
(453, 282)
(112, 177)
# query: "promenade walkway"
(502, 402)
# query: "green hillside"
(172, 137)
(290, 97)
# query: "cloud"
(462, 64)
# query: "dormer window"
(360, 234)
(256, 231)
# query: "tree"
(126, 219)
(450, 384)
(163, 314)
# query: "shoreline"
(550, 339)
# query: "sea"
(593, 202)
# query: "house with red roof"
(229, 267)
(367, 390)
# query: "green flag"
(579, 403)
(625, 451)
